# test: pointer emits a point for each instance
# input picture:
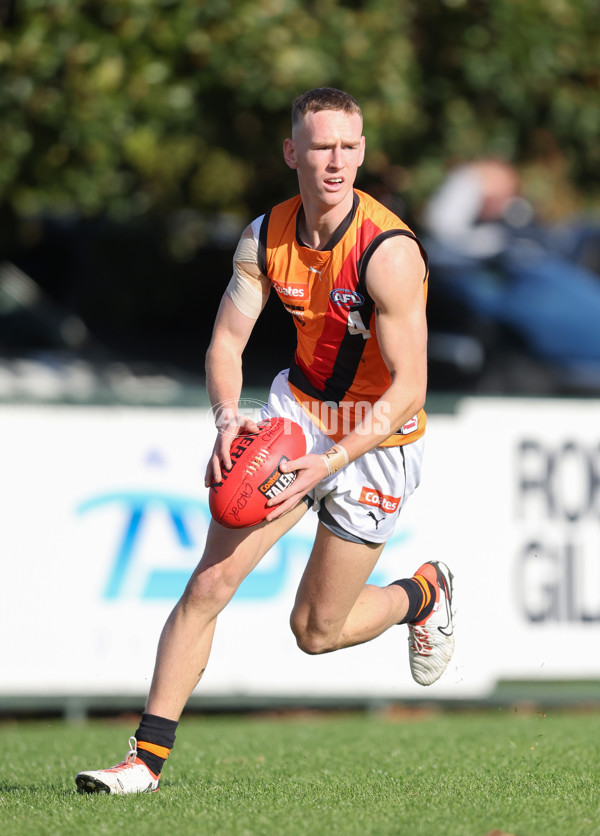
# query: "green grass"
(450, 774)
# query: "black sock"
(155, 737)
(420, 604)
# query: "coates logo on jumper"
(388, 504)
(292, 290)
(346, 298)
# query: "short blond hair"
(324, 98)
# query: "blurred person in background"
(526, 290)
(471, 210)
(479, 210)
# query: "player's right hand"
(228, 428)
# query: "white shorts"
(362, 501)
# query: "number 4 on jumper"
(357, 326)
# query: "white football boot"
(131, 776)
(431, 641)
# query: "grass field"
(450, 774)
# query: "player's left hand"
(311, 470)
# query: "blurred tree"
(160, 124)
(516, 78)
(124, 106)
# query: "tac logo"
(346, 298)
(140, 567)
(153, 541)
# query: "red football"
(240, 499)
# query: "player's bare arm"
(395, 282)
(230, 336)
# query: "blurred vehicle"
(523, 321)
(514, 305)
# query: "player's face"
(326, 150)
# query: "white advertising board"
(104, 516)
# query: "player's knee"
(310, 637)
(209, 590)
(314, 643)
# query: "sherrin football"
(240, 499)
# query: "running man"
(353, 277)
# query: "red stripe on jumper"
(336, 317)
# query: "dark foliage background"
(138, 138)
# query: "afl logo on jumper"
(346, 298)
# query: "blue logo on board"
(184, 521)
